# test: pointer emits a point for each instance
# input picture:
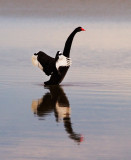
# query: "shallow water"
(89, 115)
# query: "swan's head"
(58, 55)
(79, 29)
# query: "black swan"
(56, 67)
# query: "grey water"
(89, 115)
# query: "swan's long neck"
(68, 44)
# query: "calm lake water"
(89, 115)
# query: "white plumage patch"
(63, 62)
(62, 111)
(35, 62)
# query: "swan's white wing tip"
(35, 62)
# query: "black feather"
(47, 62)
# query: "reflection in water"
(56, 101)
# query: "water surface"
(89, 115)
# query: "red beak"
(83, 29)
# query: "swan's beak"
(83, 29)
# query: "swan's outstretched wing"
(63, 62)
(44, 62)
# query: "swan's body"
(56, 67)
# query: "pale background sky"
(110, 9)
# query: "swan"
(56, 67)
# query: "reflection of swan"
(56, 101)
